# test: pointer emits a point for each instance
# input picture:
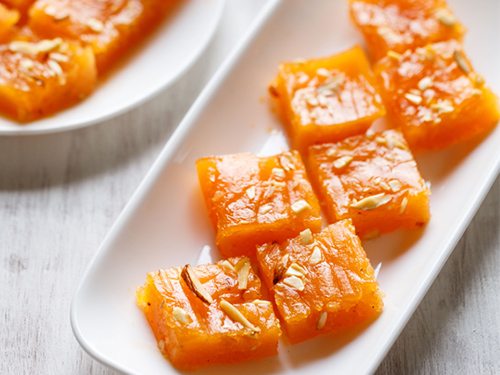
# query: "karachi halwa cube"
(252, 200)
(372, 180)
(434, 95)
(110, 27)
(209, 314)
(321, 282)
(327, 99)
(40, 77)
(390, 26)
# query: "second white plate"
(171, 50)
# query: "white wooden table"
(59, 195)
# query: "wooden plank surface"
(59, 195)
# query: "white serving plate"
(165, 223)
(164, 57)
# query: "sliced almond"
(425, 83)
(300, 205)
(342, 162)
(32, 48)
(286, 163)
(461, 61)
(264, 209)
(250, 192)
(413, 98)
(181, 315)
(59, 57)
(95, 25)
(395, 55)
(404, 203)
(445, 17)
(296, 269)
(332, 84)
(323, 72)
(227, 266)
(316, 256)
(278, 172)
(395, 185)
(243, 269)
(371, 202)
(294, 282)
(322, 320)
(306, 237)
(195, 284)
(261, 302)
(237, 316)
(443, 106)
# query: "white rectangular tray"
(165, 223)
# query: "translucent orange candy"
(8, 18)
(209, 314)
(110, 27)
(321, 282)
(398, 25)
(40, 77)
(372, 180)
(252, 200)
(435, 96)
(328, 99)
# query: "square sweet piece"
(436, 97)
(110, 27)
(209, 314)
(40, 77)
(328, 99)
(321, 282)
(372, 180)
(398, 25)
(252, 200)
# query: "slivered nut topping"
(286, 163)
(195, 284)
(425, 83)
(306, 237)
(342, 162)
(445, 17)
(443, 106)
(250, 192)
(331, 84)
(395, 142)
(59, 57)
(34, 48)
(322, 320)
(181, 315)
(278, 172)
(243, 269)
(237, 316)
(315, 257)
(394, 55)
(371, 202)
(95, 25)
(300, 205)
(461, 61)
(265, 209)
(296, 270)
(415, 99)
(227, 266)
(404, 203)
(294, 282)
(395, 185)
(261, 302)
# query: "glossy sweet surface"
(8, 18)
(193, 333)
(373, 180)
(110, 27)
(39, 77)
(328, 99)
(321, 284)
(252, 200)
(398, 25)
(436, 97)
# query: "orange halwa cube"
(321, 282)
(252, 200)
(40, 77)
(435, 96)
(110, 27)
(328, 99)
(209, 314)
(399, 25)
(372, 180)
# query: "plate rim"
(170, 147)
(25, 130)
